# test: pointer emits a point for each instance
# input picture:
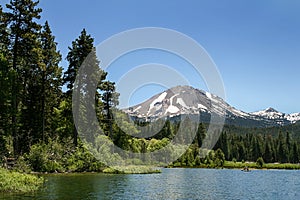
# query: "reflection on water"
(173, 184)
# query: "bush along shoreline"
(59, 156)
(15, 182)
(62, 157)
(244, 166)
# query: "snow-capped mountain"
(271, 113)
(186, 100)
(293, 118)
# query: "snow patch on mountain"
(294, 117)
(240, 113)
(157, 102)
(209, 95)
(139, 107)
(202, 106)
(172, 109)
(181, 102)
(270, 113)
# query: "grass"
(132, 169)
(235, 165)
(281, 166)
(240, 165)
(14, 182)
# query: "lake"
(173, 184)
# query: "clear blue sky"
(255, 44)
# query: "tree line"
(236, 143)
(33, 105)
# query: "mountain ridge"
(272, 113)
(186, 100)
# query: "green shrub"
(22, 165)
(82, 160)
(60, 156)
(260, 162)
(46, 157)
(134, 161)
(219, 158)
(131, 169)
(37, 157)
(17, 182)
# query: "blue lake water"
(173, 184)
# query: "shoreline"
(250, 165)
(142, 169)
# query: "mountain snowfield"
(271, 113)
(186, 100)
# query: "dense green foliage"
(272, 147)
(253, 165)
(281, 148)
(268, 145)
(58, 156)
(16, 182)
(132, 169)
(34, 108)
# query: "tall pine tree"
(51, 81)
(5, 92)
(81, 53)
(80, 49)
(21, 21)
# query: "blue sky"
(255, 44)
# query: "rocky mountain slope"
(186, 100)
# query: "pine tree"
(21, 21)
(3, 33)
(51, 80)
(282, 151)
(200, 135)
(257, 150)
(5, 85)
(110, 100)
(165, 132)
(288, 146)
(5, 94)
(168, 130)
(268, 154)
(225, 145)
(295, 153)
(92, 77)
(80, 49)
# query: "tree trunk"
(43, 107)
(14, 99)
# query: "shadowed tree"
(92, 77)
(110, 100)
(21, 21)
(50, 79)
(5, 107)
(78, 52)
(268, 154)
(5, 85)
(295, 153)
(282, 151)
